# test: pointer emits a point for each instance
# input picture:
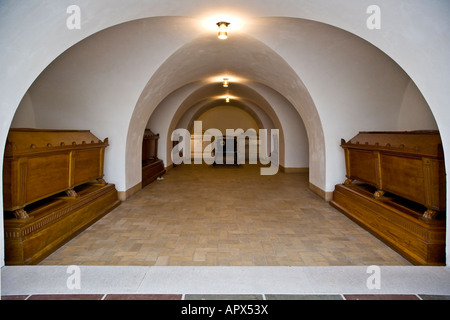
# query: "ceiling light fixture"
(227, 99)
(223, 26)
(225, 82)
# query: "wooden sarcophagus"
(152, 167)
(53, 188)
(41, 163)
(395, 189)
(407, 164)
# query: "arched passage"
(428, 29)
(180, 106)
(242, 56)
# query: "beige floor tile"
(219, 216)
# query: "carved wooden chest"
(407, 164)
(395, 189)
(41, 163)
(152, 167)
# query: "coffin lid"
(422, 143)
(149, 134)
(34, 140)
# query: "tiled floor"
(225, 216)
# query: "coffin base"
(152, 169)
(54, 221)
(396, 222)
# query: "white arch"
(243, 56)
(171, 111)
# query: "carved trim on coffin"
(58, 214)
(21, 214)
(421, 242)
(430, 214)
(102, 181)
(10, 147)
(348, 182)
(379, 194)
(71, 193)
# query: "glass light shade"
(223, 34)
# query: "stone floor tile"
(219, 216)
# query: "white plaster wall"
(354, 86)
(296, 144)
(162, 117)
(227, 117)
(25, 116)
(96, 83)
(414, 111)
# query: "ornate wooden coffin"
(150, 145)
(152, 167)
(395, 189)
(406, 164)
(54, 221)
(395, 221)
(41, 163)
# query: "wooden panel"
(403, 176)
(150, 145)
(42, 163)
(152, 167)
(9, 173)
(55, 222)
(46, 176)
(363, 166)
(399, 226)
(32, 141)
(86, 165)
(407, 164)
(434, 180)
(418, 143)
(151, 170)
